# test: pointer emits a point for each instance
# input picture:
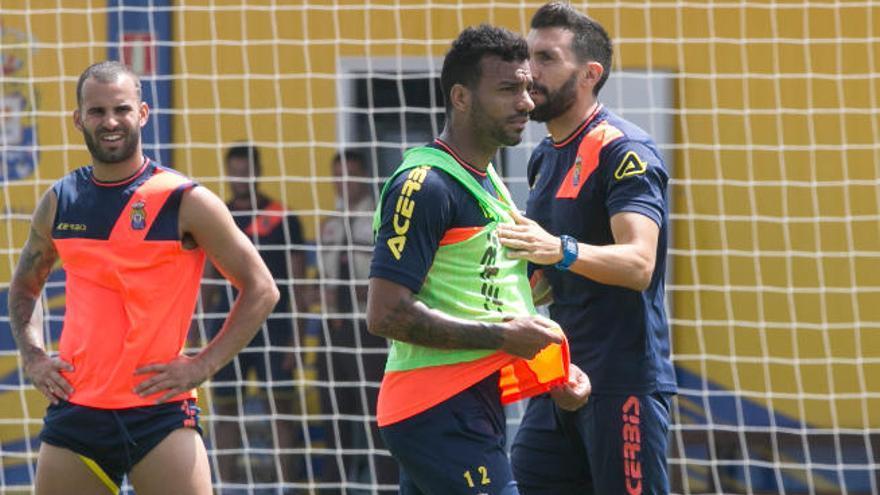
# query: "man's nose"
(110, 121)
(526, 104)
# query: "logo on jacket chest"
(76, 227)
(138, 215)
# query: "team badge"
(631, 165)
(576, 176)
(138, 215)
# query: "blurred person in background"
(271, 355)
(355, 358)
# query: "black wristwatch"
(569, 251)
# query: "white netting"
(767, 113)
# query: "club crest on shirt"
(629, 166)
(576, 175)
(138, 215)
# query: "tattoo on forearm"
(37, 259)
(415, 323)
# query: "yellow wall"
(763, 298)
(777, 132)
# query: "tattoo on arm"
(37, 259)
(413, 322)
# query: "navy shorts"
(614, 444)
(456, 447)
(115, 439)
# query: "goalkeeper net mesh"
(766, 112)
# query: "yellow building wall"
(775, 131)
(775, 194)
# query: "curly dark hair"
(591, 42)
(462, 62)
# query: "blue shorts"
(456, 447)
(115, 439)
(614, 444)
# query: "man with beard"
(132, 236)
(597, 234)
(458, 310)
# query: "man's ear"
(144, 113)
(593, 73)
(77, 119)
(461, 98)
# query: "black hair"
(462, 62)
(249, 153)
(591, 42)
(107, 71)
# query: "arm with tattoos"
(436, 206)
(393, 313)
(25, 310)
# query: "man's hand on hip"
(179, 375)
(45, 373)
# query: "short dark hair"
(462, 62)
(591, 42)
(106, 72)
(248, 152)
(351, 156)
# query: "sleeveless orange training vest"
(129, 300)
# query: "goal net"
(766, 113)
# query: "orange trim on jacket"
(577, 132)
(587, 159)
